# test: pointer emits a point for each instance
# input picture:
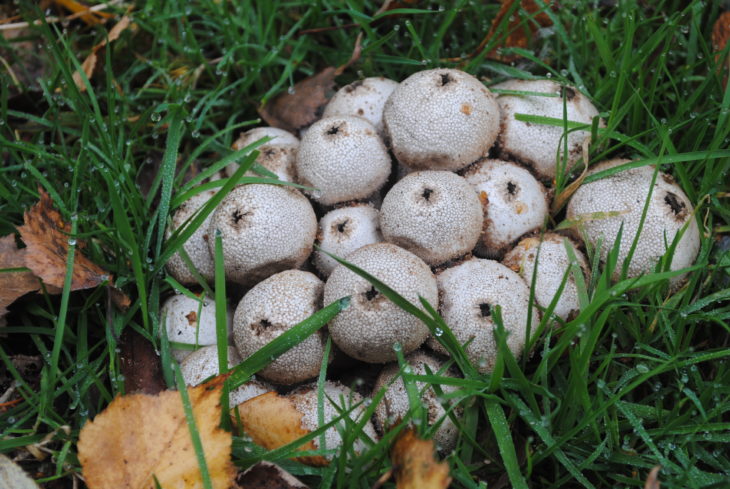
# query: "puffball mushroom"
(603, 206)
(343, 158)
(440, 119)
(264, 229)
(203, 363)
(395, 404)
(277, 155)
(273, 307)
(196, 246)
(337, 399)
(469, 293)
(539, 145)
(189, 321)
(363, 98)
(434, 214)
(553, 263)
(515, 203)
(370, 327)
(344, 230)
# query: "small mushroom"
(337, 400)
(277, 155)
(189, 321)
(344, 230)
(363, 98)
(196, 246)
(395, 404)
(372, 325)
(538, 145)
(515, 204)
(470, 293)
(553, 263)
(343, 159)
(203, 363)
(264, 229)
(434, 214)
(440, 119)
(273, 307)
(603, 207)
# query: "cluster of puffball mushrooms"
(458, 219)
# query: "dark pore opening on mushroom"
(485, 310)
(568, 93)
(371, 294)
(265, 323)
(342, 225)
(426, 194)
(333, 130)
(677, 206)
(511, 188)
(445, 79)
(238, 215)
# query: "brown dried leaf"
(652, 480)
(275, 431)
(265, 475)
(720, 37)
(140, 436)
(520, 28)
(139, 364)
(83, 11)
(304, 105)
(415, 466)
(90, 62)
(46, 237)
(14, 284)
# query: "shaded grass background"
(639, 379)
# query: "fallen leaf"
(90, 62)
(275, 431)
(139, 364)
(414, 464)
(265, 475)
(46, 238)
(12, 476)
(303, 105)
(15, 283)
(720, 37)
(521, 27)
(140, 438)
(84, 11)
(652, 480)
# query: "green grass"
(640, 378)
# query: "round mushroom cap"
(436, 215)
(395, 404)
(603, 206)
(553, 263)
(441, 119)
(273, 307)
(203, 363)
(363, 98)
(337, 399)
(343, 158)
(196, 246)
(370, 327)
(277, 156)
(265, 229)
(344, 230)
(189, 321)
(537, 145)
(515, 204)
(469, 294)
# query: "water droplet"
(438, 332)
(155, 116)
(641, 368)
(291, 90)
(72, 241)
(397, 347)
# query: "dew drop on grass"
(155, 116)
(438, 332)
(641, 368)
(397, 347)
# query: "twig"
(53, 20)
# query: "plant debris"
(140, 439)
(414, 464)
